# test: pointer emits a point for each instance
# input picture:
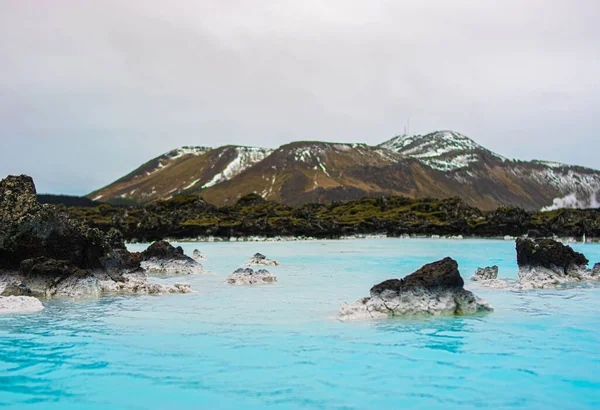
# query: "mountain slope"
(440, 164)
(180, 170)
(303, 172)
(441, 150)
(495, 180)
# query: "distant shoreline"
(275, 239)
(252, 218)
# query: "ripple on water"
(276, 346)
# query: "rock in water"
(247, 276)
(435, 289)
(45, 253)
(19, 304)
(596, 270)
(199, 256)
(545, 263)
(162, 257)
(489, 273)
(260, 260)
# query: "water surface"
(278, 346)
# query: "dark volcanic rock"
(260, 260)
(164, 250)
(435, 289)
(29, 229)
(547, 263)
(162, 257)
(50, 268)
(44, 252)
(440, 275)
(488, 273)
(18, 199)
(547, 253)
(247, 276)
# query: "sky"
(89, 90)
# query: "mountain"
(491, 180)
(441, 150)
(440, 164)
(303, 172)
(179, 171)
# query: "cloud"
(89, 90)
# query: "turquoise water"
(278, 346)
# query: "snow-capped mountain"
(181, 170)
(441, 150)
(440, 164)
(303, 172)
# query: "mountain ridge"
(438, 164)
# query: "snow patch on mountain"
(245, 157)
(180, 152)
(564, 179)
(167, 159)
(441, 150)
(452, 163)
(192, 184)
(320, 155)
(550, 164)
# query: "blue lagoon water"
(279, 346)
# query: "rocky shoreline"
(210, 239)
(46, 254)
(251, 218)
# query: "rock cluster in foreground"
(44, 253)
(545, 263)
(248, 276)
(435, 289)
(260, 260)
(162, 257)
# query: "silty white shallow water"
(278, 346)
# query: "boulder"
(596, 270)
(29, 229)
(44, 253)
(163, 258)
(19, 304)
(197, 255)
(248, 276)
(488, 273)
(546, 263)
(163, 250)
(435, 289)
(260, 260)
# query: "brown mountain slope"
(487, 180)
(180, 170)
(319, 172)
(308, 171)
(441, 164)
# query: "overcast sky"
(89, 90)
